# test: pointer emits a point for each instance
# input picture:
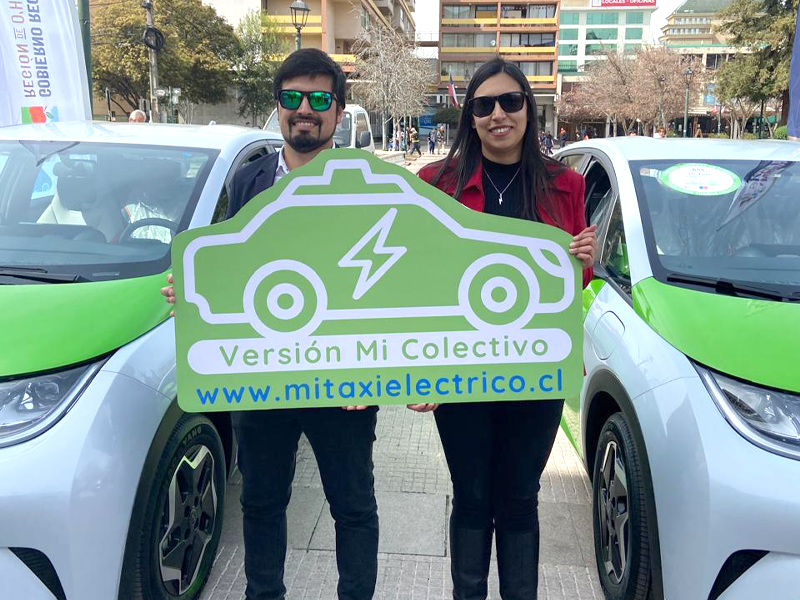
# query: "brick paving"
(413, 489)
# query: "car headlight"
(31, 405)
(769, 418)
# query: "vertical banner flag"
(451, 89)
(793, 124)
(42, 69)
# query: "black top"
(501, 176)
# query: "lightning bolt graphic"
(379, 231)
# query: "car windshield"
(94, 210)
(341, 136)
(730, 220)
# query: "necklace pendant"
(500, 199)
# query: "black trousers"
(342, 443)
(496, 452)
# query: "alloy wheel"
(612, 508)
(188, 520)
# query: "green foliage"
(723, 136)
(743, 77)
(199, 50)
(449, 115)
(781, 133)
(261, 46)
(766, 29)
(749, 136)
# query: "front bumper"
(717, 494)
(69, 492)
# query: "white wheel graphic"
(285, 301)
(511, 291)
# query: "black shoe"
(518, 564)
(470, 552)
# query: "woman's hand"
(355, 407)
(422, 407)
(169, 294)
(584, 246)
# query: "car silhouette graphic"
(492, 284)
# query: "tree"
(261, 45)
(739, 89)
(449, 115)
(197, 56)
(648, 87)
(392, 78)
(765, 28)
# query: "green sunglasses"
(318, 101)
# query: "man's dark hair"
(310, 61)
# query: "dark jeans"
(496, 452)
(342, 443)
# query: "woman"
(496, 451)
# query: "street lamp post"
(300, 12)
(687, 78)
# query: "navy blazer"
(251, 180)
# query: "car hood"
(755, 340)
(47, 326)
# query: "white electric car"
(107, 489)
(689, 417)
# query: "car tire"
(184, 532)
(620, 517)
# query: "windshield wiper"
(732, 288)
(40, 275)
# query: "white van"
(353, 132)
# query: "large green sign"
(351, 281)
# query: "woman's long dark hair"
(465, 154)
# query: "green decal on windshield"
(351, 281)
(700, 179)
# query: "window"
(714, 61)
(568, 34)
(459, 40)
(634, 18)
(527, 40)
(450, 11)
(534, 68)
(485, 40)
(568, 49)
(364, 18)
(632, 48)
(568, 66)
(609, 33)
(361, 126)
(573, 161)
(570, 18)
(599, 49)
(486, 11)
(614, 252)
(633, 33)
(542, 11)
(602, 18)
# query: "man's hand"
(169, 294)
(584, 246)
(358, 407)
(422, 407)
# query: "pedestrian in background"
(137, 116)
(431, 140)
(415, 142)
(497, 451)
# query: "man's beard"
(305, 142)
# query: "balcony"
(482, 22)
(540, 80)
(527, 50)
(386, 7)
(513, 22)
(284, 22)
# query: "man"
(137, 116)
(310, 89)
(415, 142)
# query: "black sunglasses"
(292, 99)
(510, 102)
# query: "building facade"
(693, 30)
(333, 25)
(590, 28)
(472, 33)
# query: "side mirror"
(364, 139)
